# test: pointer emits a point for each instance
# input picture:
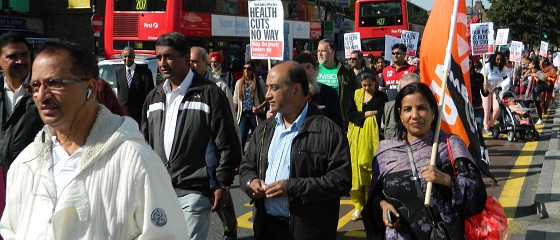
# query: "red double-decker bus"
(137, 24)
(376, 18)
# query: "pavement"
(547, 197)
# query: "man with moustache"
(88, 174)
(297, 165)
(18, 116)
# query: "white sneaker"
(539, 122)
(357, 215)
(487, 131)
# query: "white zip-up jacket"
(121, 190)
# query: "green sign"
(329, 26)
(381, 21)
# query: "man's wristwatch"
(225, 187)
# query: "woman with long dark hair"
(395, 207)
(531, 79)
(249, 100)
(496, 77)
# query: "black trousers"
(275, 228)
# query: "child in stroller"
(521, 116)
(515, 119)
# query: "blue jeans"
(479, 117)
(248, 121)
(196, 209)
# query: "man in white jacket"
(89, 173)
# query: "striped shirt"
(279, 161)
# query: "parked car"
(108, 68)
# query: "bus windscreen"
(374, 14)
(140, 5)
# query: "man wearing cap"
(216, 60)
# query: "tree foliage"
(521, 17)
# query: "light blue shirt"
(279, 161)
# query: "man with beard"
(332, 73)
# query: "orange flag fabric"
(458, 116)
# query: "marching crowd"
(77, 168)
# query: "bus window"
(140, 5)
(380, 14)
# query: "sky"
(427, 4)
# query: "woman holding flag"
(395, 207)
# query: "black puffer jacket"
(320, 174)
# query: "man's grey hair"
(205, 57)
(408, 79)
(128, 48)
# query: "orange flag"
(458, 117)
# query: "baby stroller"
(515, 119)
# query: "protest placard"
(502, 36)
(389, 42)
(515, 50)
(266, 22)
(410, 39)
(352, 42)
(543, 50)
(482, 38)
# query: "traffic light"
(536, 30)
(544, 30)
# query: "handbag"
(440, 230)
(491, 223)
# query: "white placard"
(543, 50)
(266, 24)
(389, 42)
(482, 38)
(351, 43)
(300, 30)
(515, 50)
(410, 39)
(502, 36)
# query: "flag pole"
(446, 67)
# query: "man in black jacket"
(134, 82)
(297, 164)
(187, 120)
(18, 115)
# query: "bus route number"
(141, 5)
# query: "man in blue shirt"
(296, 166)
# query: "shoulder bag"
(491, 223)
(440, 230)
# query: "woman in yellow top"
(364, 115)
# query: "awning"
(34, 38)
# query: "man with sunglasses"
(389, 82)
(89, 173)
(358, 64)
